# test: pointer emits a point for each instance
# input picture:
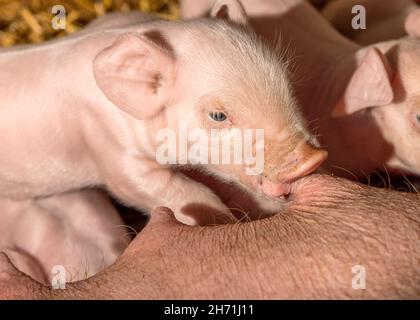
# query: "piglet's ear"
(230, 10)
(412, 23)
(370, 85)
(134, 74)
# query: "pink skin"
(80, 231)
(412, 24)
(361, 101)
(307, 251)
(384, 21)
(85, 111)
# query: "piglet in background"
(74, 235)
(362, 102)
(87, 110)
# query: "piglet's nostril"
(309, 159)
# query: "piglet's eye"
(217, 116)
(418, 117)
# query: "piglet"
(70, 236)
(90, 109)
(362, 102)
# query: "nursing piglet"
(89, 110)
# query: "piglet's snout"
(304, 160)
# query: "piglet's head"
(388, 88)
(221, 79)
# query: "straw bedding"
(29, 21)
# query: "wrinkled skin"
(306, 251)
(117, 281)
(384, 22)
(80, 231)
(361, 102)
(114, 90)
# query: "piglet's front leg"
(192, 202)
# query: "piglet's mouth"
(284, 180)
(239, 196)
(275, 190)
